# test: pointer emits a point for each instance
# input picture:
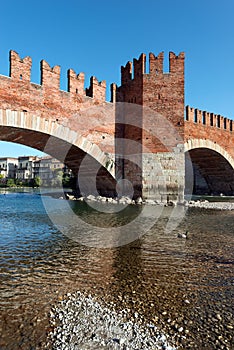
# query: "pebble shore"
(139, 201)
(210, 205)
(80, 322)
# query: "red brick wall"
(159, 120)
(162, 92)
(209, 126)
(48, 101)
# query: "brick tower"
(150, 117)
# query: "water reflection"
(174, 283)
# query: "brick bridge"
(144, 142)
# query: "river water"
(183, 286)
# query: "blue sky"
(97, 37)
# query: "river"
(185, 286)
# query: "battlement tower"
(157, 124)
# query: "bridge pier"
(163, 175)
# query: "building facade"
(46, 167)
(25, 170)
(8, 167)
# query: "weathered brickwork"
(209, 138)
(160, 123)
(141, 135)
(31, 113)
(209, 126)
(47, 100)
(161, 92)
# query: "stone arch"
(209, 168)
(28, 121)
(51, 137)
(204, 143)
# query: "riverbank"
(205, 204)
(211, 202)
(221, 204)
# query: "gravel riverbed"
(81, 322)
(210, 205)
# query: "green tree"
(57, 178)
(66, 181)
(19, 182)
(2, 180)
(10, 183)
(36, 182)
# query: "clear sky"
(97, 37)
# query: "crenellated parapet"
(176, 63)
(207, 119)
(75, 82)
(150, 86)
(162, 91)
(139, 66)
(20, 70)
(137, 69)
(50, 77)
(126, 73)
(97, 89)
(156, 63)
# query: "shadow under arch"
(62, 143)
(209, 168)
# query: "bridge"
(144, 142)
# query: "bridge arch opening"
(208, 172)
(93, 170)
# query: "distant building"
(8, 167)
(25, 169)
(44, 167)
